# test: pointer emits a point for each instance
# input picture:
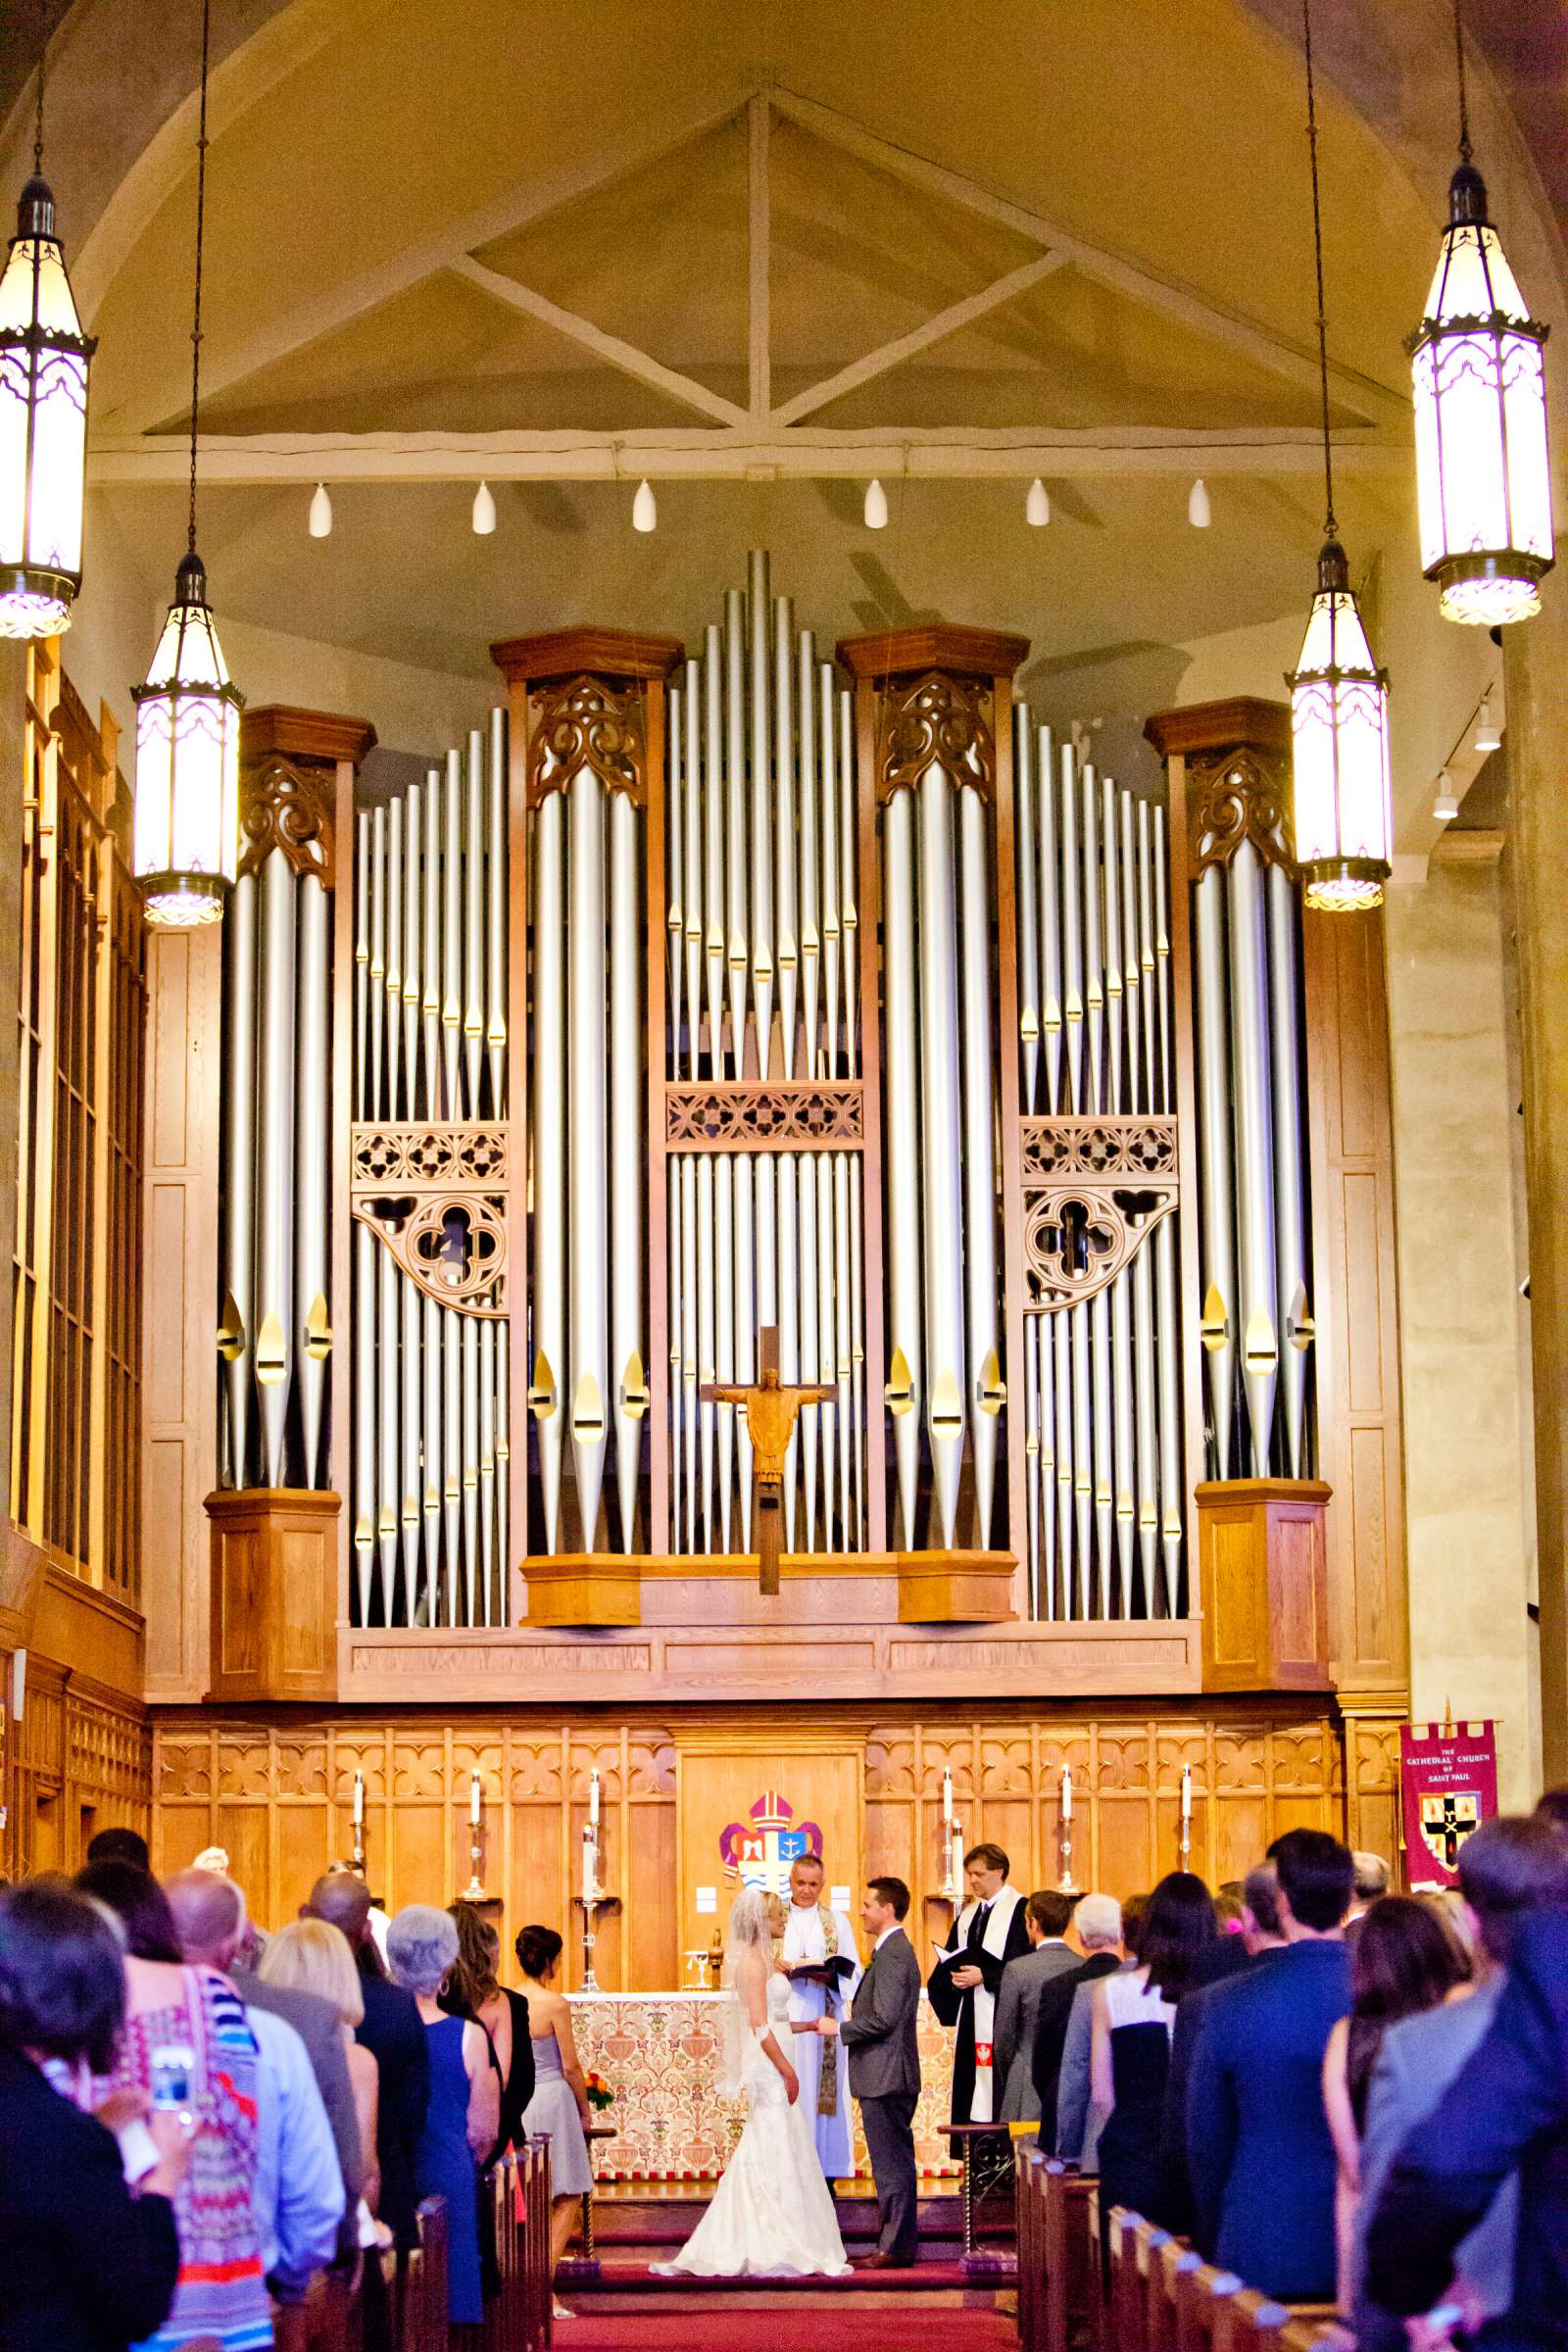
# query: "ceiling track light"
(321, 522)
(1198, 513)
(484, 512)
(185, 829)
(876, 506)
(44, 363)
(1342, 800)
(645, 508)
(1478, 364)
(1037, 505)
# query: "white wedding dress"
(771, 2216)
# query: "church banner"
(1448, 1787)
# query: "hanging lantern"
(185, 842)
(1340, 727)
(185, 835)
(45, 359)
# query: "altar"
(663, 2052)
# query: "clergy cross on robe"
(770, 1409)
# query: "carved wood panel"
(771, 1115)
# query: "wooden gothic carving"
(586, 722)
(935, 720)
(1241, 796)
(452, 1244)
(287, 808)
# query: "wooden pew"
(1126, 2311)
(1071, 2299)
(1030, 2189)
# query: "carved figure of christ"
(771, 1406)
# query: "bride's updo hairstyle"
(748, 1925)
(537, 1949)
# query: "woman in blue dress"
(465, 2111)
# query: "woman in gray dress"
(559, 2103)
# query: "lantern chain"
(1330, 529)
(43, 55)
(201, 213)
(1464, 103)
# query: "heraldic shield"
(758, 1852)
(1447, 1821)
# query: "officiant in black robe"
(987, 1932)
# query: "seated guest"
(299, 2198)
(1371, 1884)
(309, 1956)
(1045, 1918)
(86, 2265)
(187, 2046)
(391, 2030)
(1258, 2149)
(1509, 1870)
(1260, 1934)
(559, 2103)
(1133, 2011)
(1078, 2121)
(1402, 1961)
(464, 2110)
(1507, 2110)
(119, 1844)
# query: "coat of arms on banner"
(1448, 1787)
(1447, 1821)
(758, 1852)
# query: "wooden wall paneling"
(1360, 1436)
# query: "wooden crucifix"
(770, 1410)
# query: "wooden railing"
(1115, 2283)
(399, 2303)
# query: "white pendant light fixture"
(321, 522)
(645, 508)
(1444, 800)
(44, 359)
(1037, 505)
(1197, 508)
(1342, 800)
(1478, 362)
(484, 512)
(1487, 736)
(185, 834)
(876, 506)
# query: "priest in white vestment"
(987, 1934)
(814, 1935)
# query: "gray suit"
(1079, 2123)
(1418, 2060)
(879, 2034)
(1012, 2036)
(318, 2026)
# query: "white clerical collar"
(897, 1929)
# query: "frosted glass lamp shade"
(1483, 474)
(45, 359)
(1343, 803)
(185, 837)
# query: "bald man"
(299, 2197)
(395, 2038)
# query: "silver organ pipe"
(905, 1351)
(452, 898)
(737, 946)
(832, 929)
(275, 1343)
(1028, 889)
(1252, 1142)
(724, 1327)
(764, 808)
(692, 881)
(236, 1324)
(412, 951)
(938, 1005)
(784, 834)
(1218, 1265)
(313, 1270)
(810, 861)
(849, 908)
(746, 1327)
(674, 856)
(982, 1285)
(630, 1380)
(495, 1027)
(1101, 1413)
(396, 867)
(430, 947)
(1295, 1324)
(714, 808)
(548, 1149)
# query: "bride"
(771, 2215)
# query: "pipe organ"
(848, 1000)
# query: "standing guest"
(1509, 1870)
(816, 1937)
(477, 1991)
(1077, 2121)
(187, 2047)
(1261, 1935)
(1258, 2149)
(85, 2264)
(309, 1956)
(1046, 1916)
(880, 2035)
(1402, 1961)
(299, 2197)
(559, 2103)
(1371, 1884)
(459, 2124)
(1134, 2013)
(119, 1844)
(391, 2030)
(964, 1985)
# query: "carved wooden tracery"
(1093, 1189)
(283, 806)
(774, 1116)
(586, 722)
(452, 1244)
(457, 1158)
(936, 721)
(1239, 797)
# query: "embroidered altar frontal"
(663, 2055)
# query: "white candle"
(1187, 1792)
(474, 1801)
(1066, 1794)
(593, 1797)
(359, 1801)
(590, 1867)
(947, 1801)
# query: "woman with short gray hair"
(464, 2110)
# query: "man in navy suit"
(1258, 2149)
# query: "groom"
(885, 2069)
